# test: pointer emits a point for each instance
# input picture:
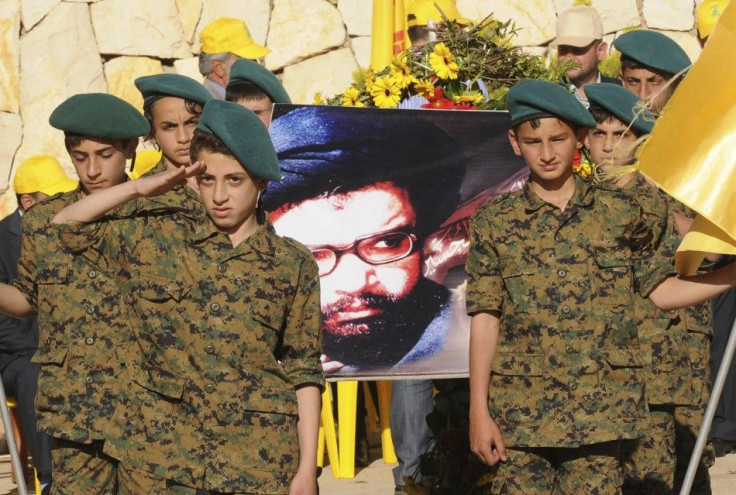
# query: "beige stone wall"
(52, 49)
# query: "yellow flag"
(691, 151)
(388, 31)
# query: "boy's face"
(611, 144)
(229, 192)
(547, 150)
(262, 108)
(100, 163)
(648, 85)
(173, 126)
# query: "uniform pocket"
(517, 388)
(160, 380)
(611, 280)
(519, 281)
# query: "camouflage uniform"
(695, 327)
(224, 335)
(567, 370)
(649, 464)
(82, 329)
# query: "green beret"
(99, 115)
(654, 50)
(532, 99)
(622, 104)
(244, 135)
(161, 85)
(245, 70)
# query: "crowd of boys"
(589, 360)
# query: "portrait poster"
(383, 200)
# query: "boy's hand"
(485, 439)
(304, 482)
(161, 182)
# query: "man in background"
(580, 38)
(223, 42)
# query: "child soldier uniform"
(649, 464)
(566, 383)
(81, 320)
(675, 344)
(227, 333)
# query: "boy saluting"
(551, 275)
(224, 395)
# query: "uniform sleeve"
(31, 234)
(302, 337)
(485, 290)
(654, 243)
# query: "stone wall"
(52, 49)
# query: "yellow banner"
(690, 153)
(388, 32)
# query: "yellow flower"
(424, 88)
(386, 92)
(351, 98)
(583, 169)
(442, 62)
(369, 81)
(401, 72)
(318, 99)
(472, 97)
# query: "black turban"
(337, 150)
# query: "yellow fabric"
(144, 161)
(708, 14)
(702, 238)
(388, 32)
(382, 33)
(690, 153)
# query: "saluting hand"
(161, 182)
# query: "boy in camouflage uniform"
(675, 344)
(551, 276)
(82, 328)
(225, 393)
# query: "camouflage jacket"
(567, 369)
(672, 354)
(81, 328)
(223, 337)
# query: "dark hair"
(74, 140)
(193, 107)
(537, 121)
(417, 34)
(205, 141)
(601, 115)
(244, 91)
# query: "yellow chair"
(341, 443)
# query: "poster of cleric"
(383, 199)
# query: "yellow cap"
(144, 161)
(708, 14)
(42, 173)
(227, 35)
(420, 12)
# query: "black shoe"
(399, 490)
(723, 447)
(46, 489)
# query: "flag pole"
(710, 412)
